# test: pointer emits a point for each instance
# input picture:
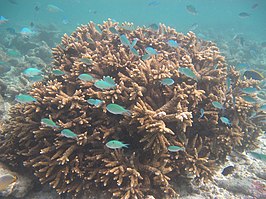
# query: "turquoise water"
(220, 17)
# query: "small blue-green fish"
(201, 113)
(58, 72)
(202, 36)
(259, 156)
(109, 80)
(115, 144)
(117, 109)
(3, 20)
(49, 123)
(113, 30)
(262, 107)
(101, 84)
(69, 134)
(36, 78)
(249, 99)
(54, 9)
(249, 90)
(95, 102)
(188, 72)
(26, 32)
(24, 99)
(6, 180)
(30, 72)
(13, 53)
(105, 83)
(217, 105)
(228, 83)
(151, 51)
(134, 51)
(167, 81)
(85, 77)
(98, 29)
(175, 148)
(145, 57)
(252, 74)
(124, 40)
(134, 42)
(86, 60)
(225, 120)
(172, 43)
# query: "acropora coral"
(160, 113)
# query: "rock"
(235, 185)
(18, 189)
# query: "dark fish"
(13, 2)
(228, 170)
(249, 99)
(254, 6)
(153, 3)
(36, 8)
(92, 11)
(31, 24)
(252, 74)
(191, 9)
(243, 15)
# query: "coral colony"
(128, 111)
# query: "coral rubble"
(160, 115)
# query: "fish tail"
(127, 113)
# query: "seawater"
(220, 17)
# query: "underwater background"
(29, 30)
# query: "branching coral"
(160, 116)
